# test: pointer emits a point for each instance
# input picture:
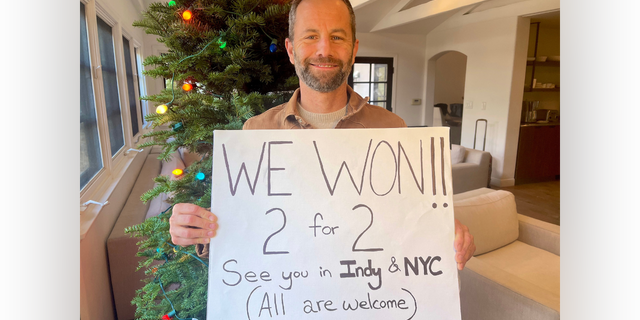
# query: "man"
(322, 46)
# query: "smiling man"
(322, 46)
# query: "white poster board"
(333, 224)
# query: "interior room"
(489, 70)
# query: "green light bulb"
(171, 3)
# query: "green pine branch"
(225, 49)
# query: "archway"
(448, 70)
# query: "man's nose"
(324, 47)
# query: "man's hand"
(463, 244)
(191, 224)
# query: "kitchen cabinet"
(538, 153)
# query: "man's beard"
(326, 82)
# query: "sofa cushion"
(175, 162)
(491, 217)
(457, 153)
(188, 157)
(159, 203)
(534, 265)
(471, 194)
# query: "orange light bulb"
(161, 109)
(187, 15)
(177, 172)
(187, 87)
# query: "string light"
(171, 3)
(200, 176)
(187, 87)
(169, 315)
(222, 43)
(187, 15)
(177, 127)
(274, 45)
(161, 109)
(177, 172)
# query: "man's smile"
(324, 65)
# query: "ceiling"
(414, 16)
(547, 20)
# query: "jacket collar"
(290, 111)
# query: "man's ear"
(289, 45)
(355, 50)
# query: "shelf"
(528, 89)
(544, 64)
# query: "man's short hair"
(294, 8)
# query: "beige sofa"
(470, 168)
(515, 272)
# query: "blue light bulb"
(200, 176)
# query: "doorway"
(448, 97)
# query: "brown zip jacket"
(360, 114)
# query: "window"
(90, 154)
(141, 87)
(373, 78)
(133, 107)
(109, 117)
(110, 83)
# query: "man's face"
(322, 49)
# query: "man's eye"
(337, 38)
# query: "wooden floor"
(538, 200)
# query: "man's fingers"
(470, 252)
(192, 209)
(193, 221)
(185, 208)
(468, 241)
(460, 231)
(192, 233)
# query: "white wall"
(407, 52)
(495, 43)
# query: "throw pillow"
(492, 219)
(457, 153)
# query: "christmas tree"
(227, 62)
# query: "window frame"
(104, 181)
(141, 84)
(132, 44)
(390, 61)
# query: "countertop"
(535, 124)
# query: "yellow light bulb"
(161, 109)
(186, 15)
(177, 172)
